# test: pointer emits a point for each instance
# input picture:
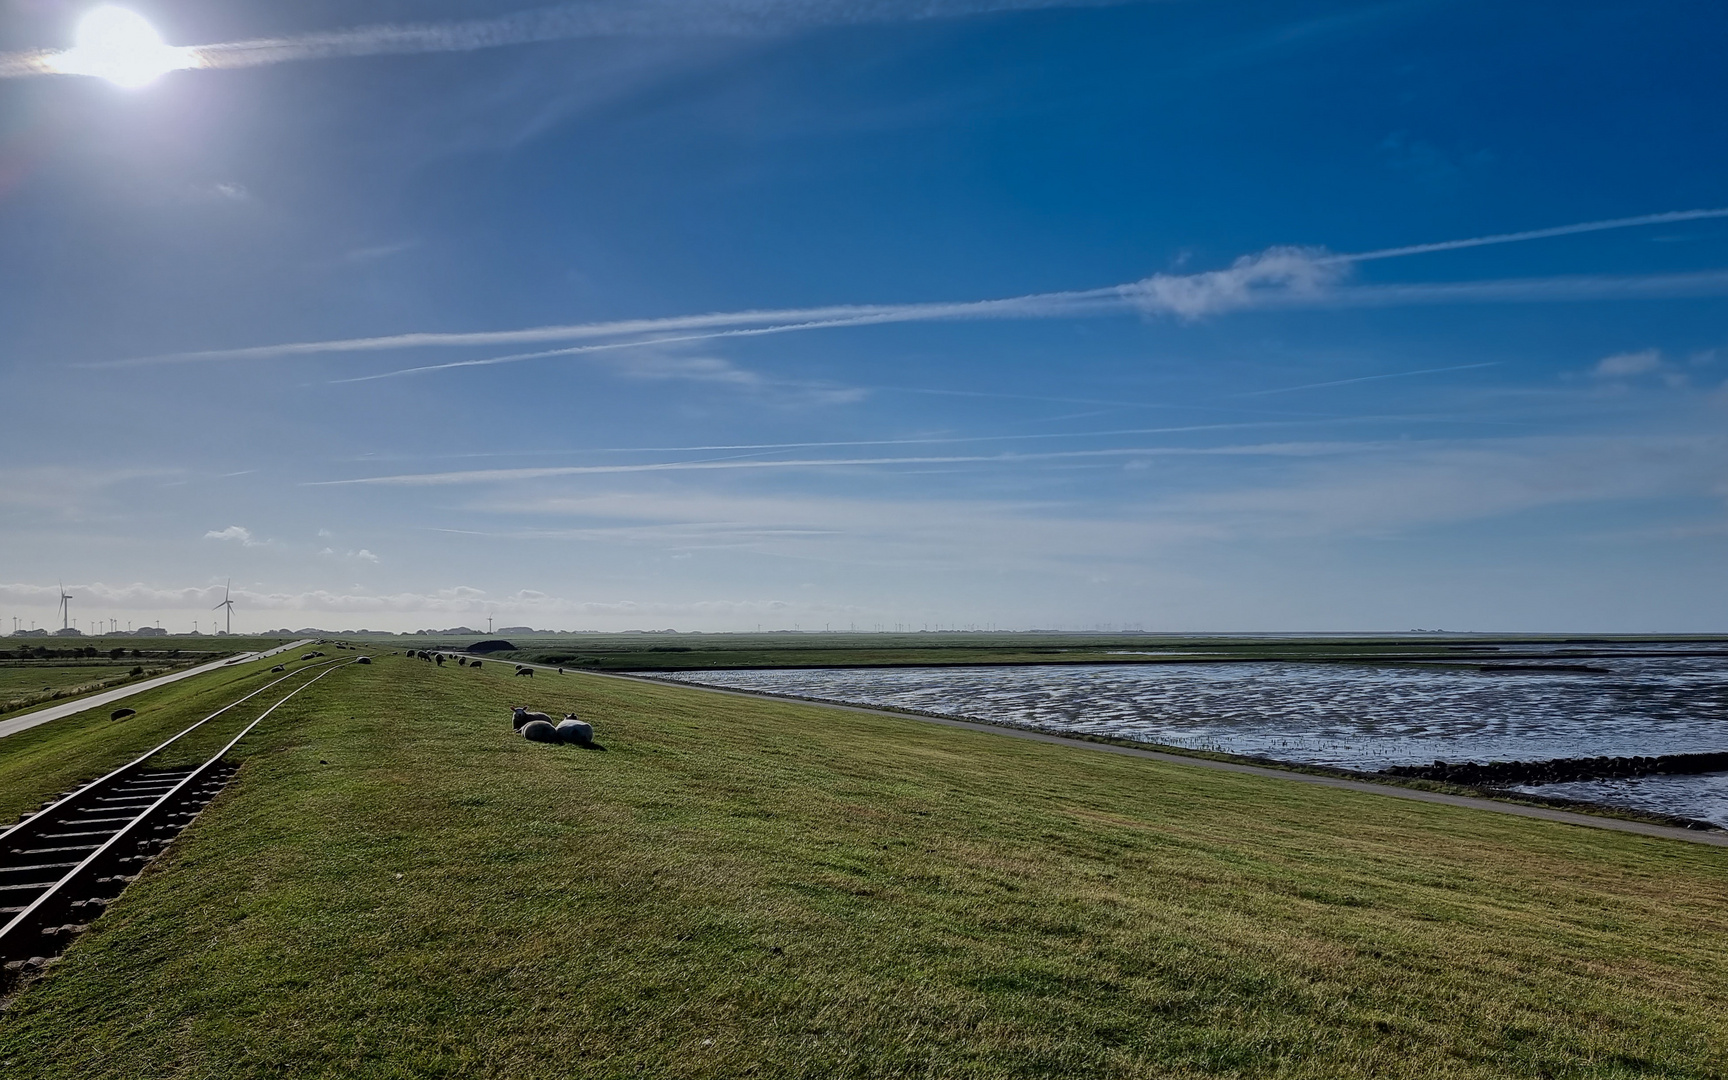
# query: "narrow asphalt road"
(78, 705)
(1712, 837)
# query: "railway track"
(61, 865)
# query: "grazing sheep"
(475, 664)
(461, 661)
(311, 656)
(277, 668)
(575, 731)
(121, 714)
(528, 671)
(539, 731)
(520, 715)
(440, 659)
(362, 659)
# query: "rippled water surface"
(1352, 716)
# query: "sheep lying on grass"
(539, 731)
(572, 730)
(540, 728)
(520, 715)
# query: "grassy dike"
(397, 886)
(60, 754)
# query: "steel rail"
(71, 801)
(33, 931)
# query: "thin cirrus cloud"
(1280, 277)
(569, 22)
(482, 476)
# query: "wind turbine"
(229, 604)
(65, 607)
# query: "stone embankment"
(1562, 770)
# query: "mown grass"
(18, 678)
(58, 755)
(397, 886)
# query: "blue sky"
(950, 313)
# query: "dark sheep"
(475, 664)
(440, 659)
(362, 659)
(277, 668)
(528, 671)
(520, 715)
(539, 731)
(121, 714)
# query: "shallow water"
(1351, 716)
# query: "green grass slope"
(396, 886)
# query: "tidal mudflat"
(1344, 715)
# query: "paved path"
(1713, 837)
(78, 705)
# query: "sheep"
(461, 661)
(520, 715)
(528, 671)
(475, 664)
(539, 731)
(440, 659)
(362, 659)
(572, 730)
(277, 668)
(122, 714)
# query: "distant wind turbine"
(65, 607)
(228, 603)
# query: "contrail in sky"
(1537, 234)
(607, 18)
(1280, 277)
(481, 476)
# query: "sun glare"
(122, 47)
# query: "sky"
(874, 314)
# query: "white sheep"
(572, 730)
(539, 731)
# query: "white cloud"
(363, 556)
(1627, 363)
(237, 533)
(1299, 273)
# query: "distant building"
(149, 631)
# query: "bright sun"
(120, 46)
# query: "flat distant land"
(396, 885)
(36, 671)
(670, 651)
